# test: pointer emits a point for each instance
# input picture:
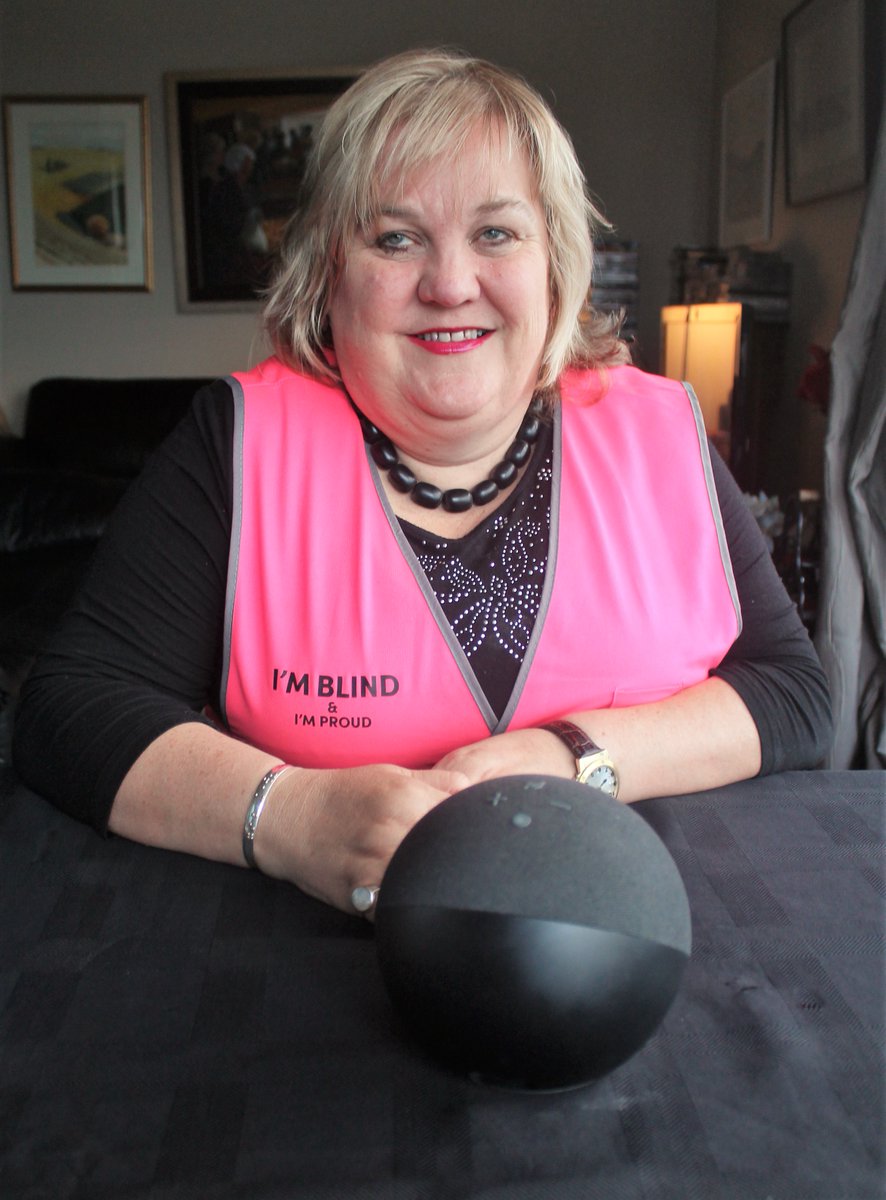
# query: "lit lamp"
(701, 343)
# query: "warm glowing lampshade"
(700, 343)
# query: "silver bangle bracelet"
(254, 812)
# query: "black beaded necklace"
(454, 500)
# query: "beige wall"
(636, 83)
(646, 149)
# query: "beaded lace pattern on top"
(489, 583)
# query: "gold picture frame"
(79, 192)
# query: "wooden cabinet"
(756, 395)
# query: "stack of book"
(760, 279)
(616, 281)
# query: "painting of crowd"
(248, 180)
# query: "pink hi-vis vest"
(336, 650)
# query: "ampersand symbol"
(332, 708)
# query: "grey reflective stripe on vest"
(704, 448)
(236, 530)
(461, 659)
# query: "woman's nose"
(450, 277)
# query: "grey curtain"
(851, 627)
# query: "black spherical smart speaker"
(532, 932)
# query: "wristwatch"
(593, 765)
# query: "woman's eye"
(495, 236)
(393, 241)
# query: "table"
(175, 1028)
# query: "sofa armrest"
(40, 508)
(17, 453)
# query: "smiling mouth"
(452, 335)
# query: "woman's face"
(440, 315)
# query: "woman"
(446, 508)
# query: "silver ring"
(364, 898)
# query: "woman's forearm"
(189, 790)
(325, 831)
(703, 737)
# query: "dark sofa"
(84, 441)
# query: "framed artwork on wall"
(829, 98)
(747, 145)
(79, 192)
(238, 145)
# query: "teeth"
(457, 335)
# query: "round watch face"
(602, 778)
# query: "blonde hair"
(402, 114)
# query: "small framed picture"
(828, 91)
(238, 146)
(79, 194)
(746, 159)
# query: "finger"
(446, 780)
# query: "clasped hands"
(329, 831)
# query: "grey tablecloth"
(175, 1028)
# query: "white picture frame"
(747, 145)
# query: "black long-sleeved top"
(140, 650)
